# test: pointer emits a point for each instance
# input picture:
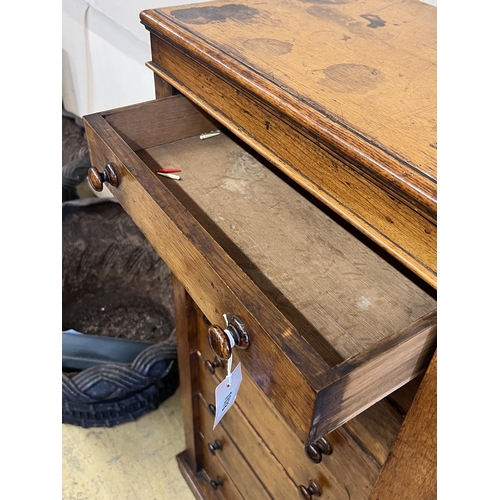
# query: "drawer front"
(228, 455)
(325, 394)
(347, 473)
(256, 452)
(224, 486)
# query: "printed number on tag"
(225, 395)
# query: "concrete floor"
(132, 461)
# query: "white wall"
(104, 51)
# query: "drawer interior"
(338, 291)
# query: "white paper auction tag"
(226, 392)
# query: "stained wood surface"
(356, 80)
(374, 430)
(348, 471)
(162, 88)
(282, 346)
(370, 66)
(146, 125)
(290, 247)
(411, 470)
(230, 457)
(341, 97)
(214, 469)
(185, 326)
(403, 397)
(360, 377)
(255, 426)
(197, 481)
(258, 456)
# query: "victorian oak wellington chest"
(301, 238)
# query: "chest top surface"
(360, 73)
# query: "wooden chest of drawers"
(310, 218)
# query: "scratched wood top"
(339, 294)
(363, 73)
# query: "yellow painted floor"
(132, 461)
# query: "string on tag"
(230, 360)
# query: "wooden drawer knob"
(212, 365)
(97, 179)
(219, 341)
(315, 451)
(309, 491)
(212, 448)
(215, 484)
(211, 408)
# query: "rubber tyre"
(120, 410)
(109, 394)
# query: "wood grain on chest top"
(361, 72)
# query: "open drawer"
(334, 325)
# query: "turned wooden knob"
(97, 179)
(214, 447)
(219, 341)
(309, 491)
(212, 365)
(315, 451)
(211, 408)
(215, 484)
